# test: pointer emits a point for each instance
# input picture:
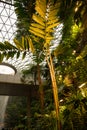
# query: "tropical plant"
(45, 20)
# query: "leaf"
(53, 13)
(52, 21)
(38, 19)
(42, 6)
(37, 34)
(31, 45)
(24, 55)
(10, 54)
(23, 45)
(52, 18)
(18, 54)
(37, 25)
(37, 30)
(40, 11)
(9, 45)
(18, 44)
(49, 38)
(36, 39)
(27, 44)
(2, 47)
(51, 26)
(1, 57)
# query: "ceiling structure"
(8, 31)
(7, 21)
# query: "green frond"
(18, 54)
(10, 54)
(84, 51)
(2, 46)
(9, 46)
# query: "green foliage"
(24, 10)
(75, 113)
(7, 50)
(16, 113)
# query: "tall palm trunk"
(55, 89)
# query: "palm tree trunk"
(55, 89)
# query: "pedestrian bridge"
(12, 86)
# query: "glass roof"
(8, 31)
(7, 21)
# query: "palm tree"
(45, 19)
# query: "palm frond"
(45, 20)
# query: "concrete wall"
(12, 86)
(10, 78)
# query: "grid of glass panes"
(7, 20)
